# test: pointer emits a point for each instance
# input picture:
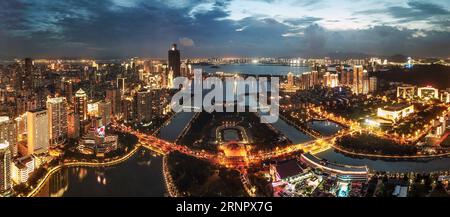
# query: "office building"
(358, 74)
(37, 131)
(5, 169)
(81, 104)
(174, 61)
(8, 133)
(57, 120)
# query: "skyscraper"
(8, 132)
(104, 111)
(143, 106)
(81, 104)
(290, 79)
(57, 120)
(113, 96)
(5, 168)
(37, 129)
(358, 74)
(365, 82)
(373, 84)
(175, 61)
(27, 78)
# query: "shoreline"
(55, 169)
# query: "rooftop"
(396, 107)
(288, 168)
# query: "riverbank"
(57, 168)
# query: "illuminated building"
(170, 79)
(22, 169)
(406, 92)
(290, 79)
(121, 85)
(330, 80)
(314, 79)
(445, 97)
(341, 172)
(358, 76)
(174, 61)
(346, 78)
(373, 84)
(235, 154)
(57, 120)
(73, 126)
(104, 111)
(428, 93)
(37, 131)
(143, 105)
(8, 132)
(395, 113)
(5, 168)
(441, 126)
(113, 96)
(365, 82)
(81, 104)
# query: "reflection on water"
(291, 132)
(325, 128)
(401, 166)
(441, 164)
(141, 175)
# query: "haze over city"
(222, 28)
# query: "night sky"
(223, 28)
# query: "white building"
(428, 93)
(22, 169)
(395, 113)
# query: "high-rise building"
(314, 79)
(365, 82)
(407, 92)
(73, 126)
(81, 104)
(121, 85)
(290, 79)
(175, 61)
(8, 133)
(57, 120)
(143, 106)
(358, 74)
(104, 111)
(22, 169)
(5, 169)
(37, 131)
(373, 84)
(113, 96)
(330, 80)
(27, 78)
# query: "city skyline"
(118, 29)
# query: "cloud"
(186, 42)
(118, 28)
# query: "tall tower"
(5, 168)
(8, 132)
(290, 79)
(81, 104)
(37, 131)
(57, 120)
(358, 74)
(175, 61)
